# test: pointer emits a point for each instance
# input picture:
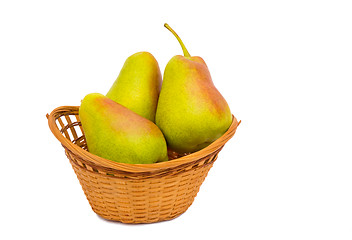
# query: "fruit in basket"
(114, 132)
(138, 85)
(191, 112)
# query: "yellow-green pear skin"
(191, 112)
(116, 133)
(138, 85)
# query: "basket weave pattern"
(134, 193)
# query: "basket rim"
(127, 167)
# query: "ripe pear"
(138, 85)
(114, 132)
(191, 112)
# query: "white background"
(283, 66)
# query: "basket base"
(134, 221)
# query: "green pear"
(114, 132)
(191, 112)
(138, 85)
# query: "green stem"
(184, 49)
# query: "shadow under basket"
(134, 193)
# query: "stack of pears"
(143, 116)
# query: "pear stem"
(184, 49)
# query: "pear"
(114, 132)
(138, 84)
(191, 112)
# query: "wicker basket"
(134, 193)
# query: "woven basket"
(134, 193)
